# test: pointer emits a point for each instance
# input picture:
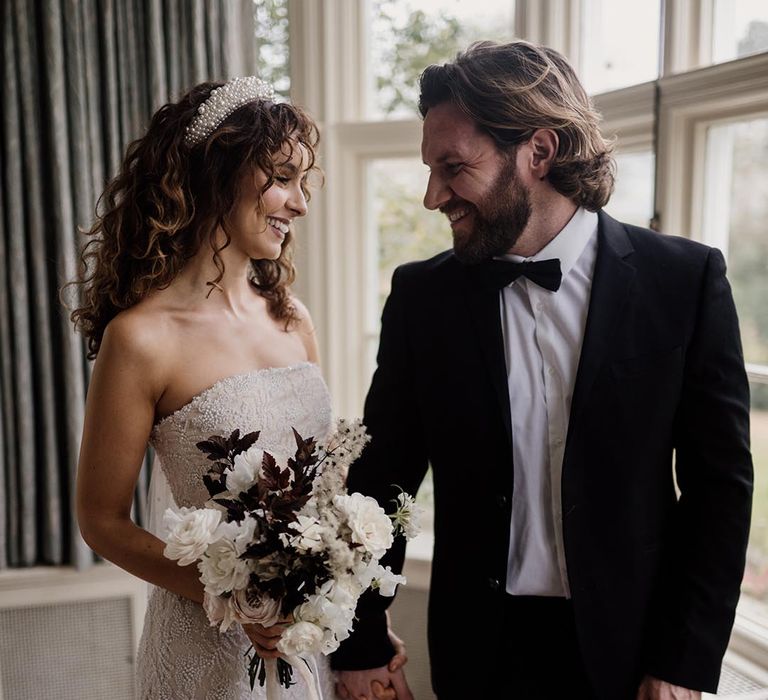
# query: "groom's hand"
(384, 683)
(373, 684)
(655, 689)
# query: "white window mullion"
(687, 35)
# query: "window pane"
(756, 576)
(272, 59)
(739, 28)
(735, 212)
(608, 29)
(632, 199)
(409, 35)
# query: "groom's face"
(474, 184)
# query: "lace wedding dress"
(181, 656)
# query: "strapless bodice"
(271, 401)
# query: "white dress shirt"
(543, 334)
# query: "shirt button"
(557, 442)
(539, 305)
(551, 371)
(494, 584)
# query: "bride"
(186, 309)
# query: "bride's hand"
(265, 639)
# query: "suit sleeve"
(706, 557)
(395, 457)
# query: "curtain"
(81, 79)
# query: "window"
(401, 229)
(407, 36)
(736, 207)
(739, 28)
(632, 199)
(736, 210)
(608, 28)
(272, 56)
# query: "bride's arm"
(128, 379)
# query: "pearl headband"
(222, 102)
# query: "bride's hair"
(169, 198)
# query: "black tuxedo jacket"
(660, 391)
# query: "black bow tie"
(500, 273)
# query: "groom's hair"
(510, 91)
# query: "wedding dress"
(181, 656)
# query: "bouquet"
(276, 543)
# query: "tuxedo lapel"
(482, 308)
(611, 285)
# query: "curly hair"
(510, 91)
(169, 199)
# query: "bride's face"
(260, 221)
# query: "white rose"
(221, 569)
(191, 530)
(301, 638)
(310, 532)
(371, 526)
(251, 608)
(246, 470)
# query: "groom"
(562, 373)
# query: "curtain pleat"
(47, 478)
(109, 85)
(81, 79)
(9, 510)
(179, 72)
(6, 425)
(94, 142)
(196, 41)
(60, 129)
(213, 37)
(156, 63)
(22, 480)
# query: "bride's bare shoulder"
(141, 340)
(306, 329)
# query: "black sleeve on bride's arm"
(395, 457)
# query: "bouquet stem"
(277, 673)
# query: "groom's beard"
(499, 219)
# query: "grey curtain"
(80, 80)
